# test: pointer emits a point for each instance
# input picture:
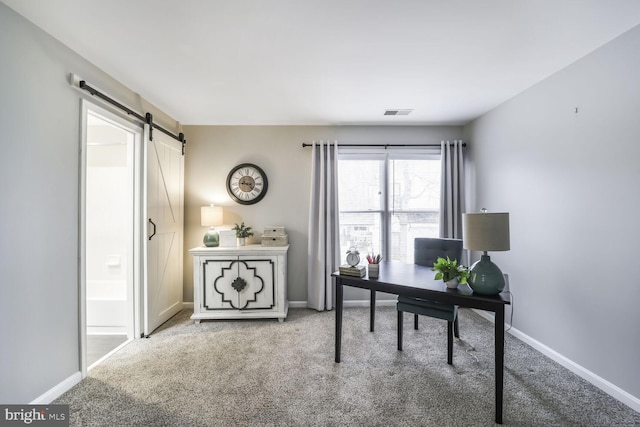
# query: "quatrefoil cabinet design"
(240, 284)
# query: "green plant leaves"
(447, 269)
(242, 230)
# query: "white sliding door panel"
(165, 207)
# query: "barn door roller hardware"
(147, 118)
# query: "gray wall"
(213, 150)
(570, 182)
(39, 178)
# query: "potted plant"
(450, 272)
(242, 232)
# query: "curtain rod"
(147, 118)
(304, 144)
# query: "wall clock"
(247, 184)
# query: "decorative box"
(274, 235)
(271, 231)
(275, 240)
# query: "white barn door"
(165, 211)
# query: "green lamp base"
(212, 238)
(485, 277)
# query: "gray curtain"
(324, 235)
(451, 190)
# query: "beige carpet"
(265, 373)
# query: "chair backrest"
(426, 250)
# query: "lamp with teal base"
(485, 277)
(209, 217)
(486, 232)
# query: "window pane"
(361, 230)
(416, 185)
(360, 186)
(415, 205)
(407, 226)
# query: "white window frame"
(385, 155)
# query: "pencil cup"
(374, 270)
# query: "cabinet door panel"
(219, 276)
(259, 277)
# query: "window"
(387, 199)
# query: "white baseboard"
(187, 305)
(611, 389)
(297, 304)
(58, 390)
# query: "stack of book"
(358, 270)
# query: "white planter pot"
(452, 284)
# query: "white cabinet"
(246, 282)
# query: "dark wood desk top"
(417, 281)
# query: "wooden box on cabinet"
(244, 282)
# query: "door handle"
(154, 229)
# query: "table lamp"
(485, 232)
(211, 216)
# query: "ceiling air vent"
(398, 112)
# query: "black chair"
(426, 252)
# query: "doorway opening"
(110, 243)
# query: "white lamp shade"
(210, 216)
(486, 231)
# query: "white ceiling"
(251, 62)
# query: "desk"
(411, 280)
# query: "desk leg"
(499, 325)
(372, 311)
(339, 298)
